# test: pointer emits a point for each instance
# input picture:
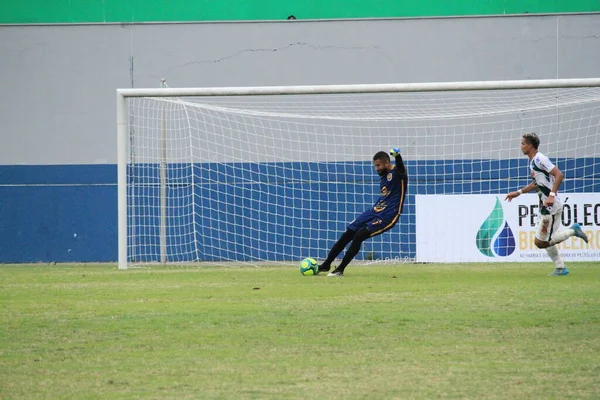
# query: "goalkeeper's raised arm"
(395, 152)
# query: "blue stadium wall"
(68, 213)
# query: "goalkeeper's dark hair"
(532, 139)
(381, 155)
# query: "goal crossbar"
(360, 88)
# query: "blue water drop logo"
(504, 245)
(494, 224)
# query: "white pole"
(375, 88)
(122, 181)
(163, 182)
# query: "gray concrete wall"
(57, 102)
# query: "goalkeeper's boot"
(578, 232)
(336, 272)
(560, 272)
(323, 269)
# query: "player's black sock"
(337, 249)
(354, 248)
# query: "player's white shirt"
(540, 167)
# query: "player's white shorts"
(548, 225)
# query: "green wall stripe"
(82, 11)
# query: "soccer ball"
(309, 266)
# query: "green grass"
(492, 331)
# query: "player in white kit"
(546, 181)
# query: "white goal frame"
(123, 133)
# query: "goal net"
(273, 175)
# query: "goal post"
(271, 174)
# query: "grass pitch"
(486, 331)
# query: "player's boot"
(578, 232)
(560, 272)
(336, 272)
(323, 269)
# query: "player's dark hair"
(381, 155)
(532, 139)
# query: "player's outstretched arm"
(517, 193)
(395, 152)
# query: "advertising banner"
(483, 227)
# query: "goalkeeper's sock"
(555, 257)
(354, 248)
(337, 249)
(561, 236)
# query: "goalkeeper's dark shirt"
(392, 191)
